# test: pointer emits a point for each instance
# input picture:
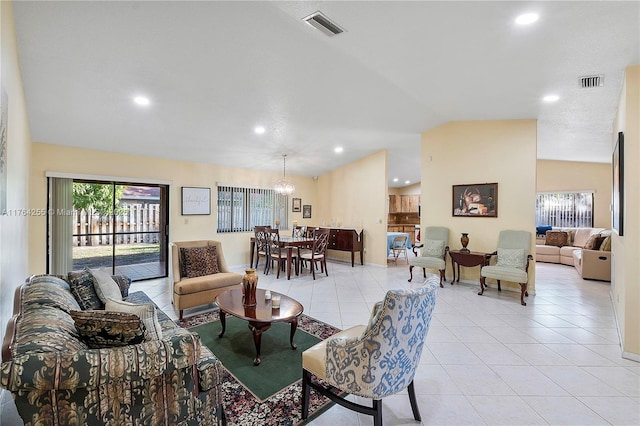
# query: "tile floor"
(487, 360)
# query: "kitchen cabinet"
(409, 203)
(395, 204)
(404, 203)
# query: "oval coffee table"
(260, 316)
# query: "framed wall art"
(296, 205)
(475, 200)
(617, 202)
(196, 201)
(306, 211)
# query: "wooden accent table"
(469, 259)
(261, 316)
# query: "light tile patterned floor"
(487, 360)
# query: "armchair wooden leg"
(414, 403)
(306, 379)
(377, 416)
(442, 278)
(499, 288)
(410, 273)
(482, 285)
(181, 313)
(424, 272)
(523, 292)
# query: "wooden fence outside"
(135, 224)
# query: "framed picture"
(475, 200)
(196, 201)
(296, 205)
(617, 205)
(306, 211)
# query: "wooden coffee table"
(260, 316)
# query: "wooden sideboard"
(347, 240)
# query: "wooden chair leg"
(414, 403)
(523, 292)
(181, 313)
(424, 272)
(482, 285)
(442, 278)
(377, 417)
(306, 378)
(324, 261)
(499, 288)
(410, 273)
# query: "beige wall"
(575, 176)
(79, 161)
(13, 226)
(356, 196)
(479, 149)
(410, 189)
(625, 286)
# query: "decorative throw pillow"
(511, 258)
(433, 248)
(146, 312)
(594, 241)
(606, 244)
(556, 238)
(83, 289)
(106, 287)
(104, 329)
(199, 261)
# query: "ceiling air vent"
(589, 81)
(324, 24)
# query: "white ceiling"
(215, 70)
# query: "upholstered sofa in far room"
(571, 246)
(58, 378)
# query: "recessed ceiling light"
(407, 182)
(141, 100)
(527, 18)
(551, 98)
(338, 149)
(395, 179)
(259, 130)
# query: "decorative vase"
(464, 240)
(249, 285)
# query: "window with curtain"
(242, 208)
(565, 209)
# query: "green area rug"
(271, 393)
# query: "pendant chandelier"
(283, 186)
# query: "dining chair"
(317, 254)
(298, 231)
(376, 360)
(277, 253)
(434, 252)
(261, 245)
(512, 262)
(398, 247)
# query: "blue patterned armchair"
(376, 360)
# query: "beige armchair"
(512, 264)
(434, 252)
(189, 290)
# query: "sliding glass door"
(118, 226)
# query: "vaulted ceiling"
(215, 70)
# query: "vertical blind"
(565, 209)
(241, 208)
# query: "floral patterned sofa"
(57, 379)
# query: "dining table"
(288, 243)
